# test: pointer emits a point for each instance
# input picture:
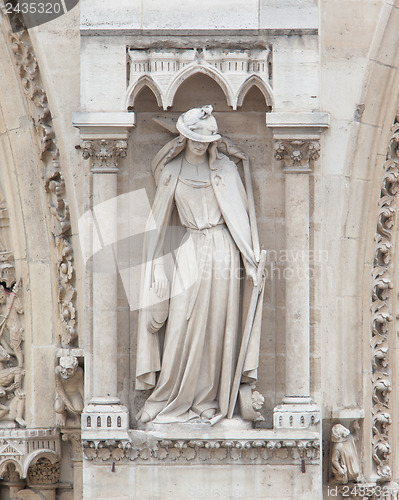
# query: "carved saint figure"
(69, 378)
(344, 459)
(12, 398)
(196, 292)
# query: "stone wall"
(330, 56)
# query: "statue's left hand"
(160, 281)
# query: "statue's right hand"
(160, 281)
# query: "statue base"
(226, 461)
(103, 419)
(296, 413)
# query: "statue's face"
(68, 367)
(197, 148)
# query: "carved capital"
(105, 154)
(296, 154)
(44, 472)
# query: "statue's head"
(199, 125)
(339, 433)
(68, 366)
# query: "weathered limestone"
(337, 56)
(105, 137)
(297, 145)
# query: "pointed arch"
(194, 69)
(135, 88)
(255, 81)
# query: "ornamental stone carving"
(197, 300)
(44, 472)
(345, 463)
(297, 154)
(235, 70)
(23, 446)
(54, 182)
(69, 403)
(105, 154)
(12, 398)
(381, 309)
(151, 450)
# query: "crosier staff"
(260, 257)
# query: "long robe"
(202, 333)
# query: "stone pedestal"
(203, 462)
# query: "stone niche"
(233, 459)
(246, 128)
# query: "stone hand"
(252, 274)
(160, 281)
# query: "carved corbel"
(296, 154)
(104, 154)
(69, 403)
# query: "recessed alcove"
(200, 89)
(246, 128)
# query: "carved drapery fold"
(381, 309)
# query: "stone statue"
(344, 459)
(69, 379)
(12, 398)
(193, 296)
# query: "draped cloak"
(231, 198)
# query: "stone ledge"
(255, 446)
(104, 125)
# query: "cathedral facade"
(198, 267)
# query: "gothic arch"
(6, 463)
(192, 70)
(33, 458)
(255, 81)
(367, 210)
(135, 88)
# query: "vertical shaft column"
(105, 142)
(105, 155)
(297, 410)
(297, 284)
(297, 146)
(105, 356)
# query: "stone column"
(105, 155)
(297, 155)
(74, 437)
(105, 142)
(297, 147)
